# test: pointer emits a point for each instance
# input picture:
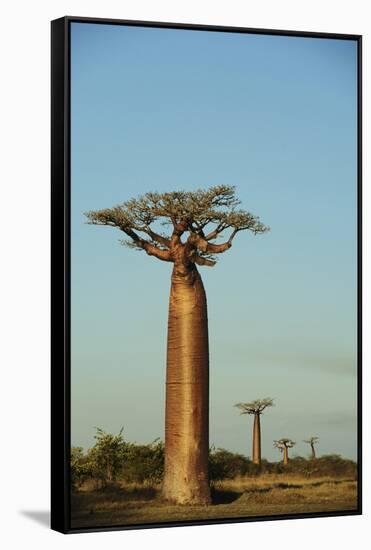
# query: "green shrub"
(224, 464)
(106, 457)
(80, 467)
(143, 463)
(112, 458)
(327, 465)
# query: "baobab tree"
(256, 409)
(195, 220)
(312, 442)
(284, 445)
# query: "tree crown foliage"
(283, 442)
(255, 407)
(200, 215)
(312, 440)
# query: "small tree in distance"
(312, 442)
(284, 444)
(256, 408)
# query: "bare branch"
(219, 229)
(180, 227)
(218, 248)
(204, 246)
(199, 260)
(152, 250)
(156, 237)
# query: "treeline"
(112, 459)
(224, 464)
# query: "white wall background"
(24, 272)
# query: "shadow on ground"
(42, 517)
(224, 497)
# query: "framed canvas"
(192, 161)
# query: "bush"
(113, 459)
(327, 465)
(106, 457)
(334, 465)
(80, 467)
(143, 463)
(224, 464)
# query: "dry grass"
(265, 495)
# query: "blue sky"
(162, 110)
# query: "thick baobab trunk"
(187, 393)
(285, 455)
(256, 446)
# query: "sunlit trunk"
(187, 393)
(285, 455)
(256, 447)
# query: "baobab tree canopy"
(202, 215)
(311, 440)
(284, 442)
(255, 407)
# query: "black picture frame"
(61, 263)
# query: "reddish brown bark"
(187, 389)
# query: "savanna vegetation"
(119, 482)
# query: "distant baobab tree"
(312, 441)
(284, 445)
(256, 408)
(196, 219)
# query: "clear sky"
(163, 110)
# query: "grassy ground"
(267, 495)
